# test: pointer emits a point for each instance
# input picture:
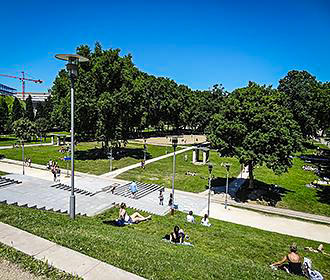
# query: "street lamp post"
(23, 161)
(174, 144)
(209, 194)
(227, 166)
(72, 67)
(110, 156)
(144, 150)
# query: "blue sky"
(197, 43)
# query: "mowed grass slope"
(223, 251)
(161, 172)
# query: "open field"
(10, 140)
(223, 251)
(88, 158)
(160, 172)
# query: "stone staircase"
(6, 182)
(143, 190)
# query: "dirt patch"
(14, 272)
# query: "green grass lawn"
(88, 157)
(29, 264)
(160, 172)
(10, 140)
(223, 251)
(297, 196)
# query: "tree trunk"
(251, 185)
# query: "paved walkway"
(61, 257)
(25, 146)
(115, 173)
(198, 203)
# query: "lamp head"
(175, 141)
(210, 166)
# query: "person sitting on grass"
(205, 221)
(293, 261)
(190, 217)
(177, 236)
(135, 218)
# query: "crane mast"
(22, 79)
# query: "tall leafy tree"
(17, 111)
(4, 114)
(302, 98)
(253, 126)
(24, 129)
(29, 108)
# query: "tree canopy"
(253, 126)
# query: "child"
(161, 197)
(190, 217)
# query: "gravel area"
(10, 271)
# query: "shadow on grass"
(7, 139)
(323, 194)
(263, 192)
(117, 154)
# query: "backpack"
(309, 273)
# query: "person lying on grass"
(293, 261)
(135, 218)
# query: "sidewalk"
(61, 257)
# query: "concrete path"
(25, 146)
(115, 173)
(271, 223)
(61, 257)
(198, 203)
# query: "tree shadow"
(7, 139)
(117, 154)
(269, 194)
(323, 194)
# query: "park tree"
(253, 126)
(4, 115)
(42, 126)
(301, 90)
(29, 114)
(17, 111)
(323, 113)
(24, 129)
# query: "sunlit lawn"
(223, 251)
(89, 158)
(160, 172)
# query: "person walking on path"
(161, 197)
(133, 188)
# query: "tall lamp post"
(23, 160)
(174, 144)
(209, 195)
(72, 67)
(144, 150)
(227, 166)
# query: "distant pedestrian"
(170, 201)
(161, 197)
(29, 162)
(58, 174)
(142, 163)
(133, 188)
(54, 172)
(186, 157)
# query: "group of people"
(55, 169)
(204, 221)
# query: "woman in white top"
(190, 217)
(205, 221)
